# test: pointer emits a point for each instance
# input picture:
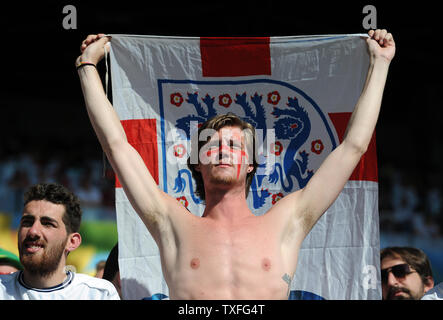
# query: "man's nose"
(35, 230)
(224, 150)
(392, 280)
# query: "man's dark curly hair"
(58, 194)
(415, 257)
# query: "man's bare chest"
(252, 246)
(233, 260)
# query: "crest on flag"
(287, 150)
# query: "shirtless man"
(230, 253)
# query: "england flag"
(299, 93)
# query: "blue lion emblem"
(287, 116)
(292, 124)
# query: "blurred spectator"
(405, 202)
(20, 170)
(112, 270)
(18, 184)
(433, 200)
(100, 268)
(434, 196)
(405, 273)
(9, 262)
(88, 193)
(410, 204)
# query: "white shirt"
(77, 286)
(435, 293)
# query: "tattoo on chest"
(287, 278)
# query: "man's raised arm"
(323, 188)
(151, 203)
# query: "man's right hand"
(92, 48)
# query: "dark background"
(42, 104)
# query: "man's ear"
(429, 284)
(74, 241)
(250, 168)
(197, 167)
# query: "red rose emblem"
(274, 97)
(176, 99)
(276, 197)
(276, 148)
(179, 151)
(183, 201)
(225, 100)
(317, 146)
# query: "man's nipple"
(195, 263)
(266, 264)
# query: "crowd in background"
(410, 203)
(407, 204)
(91, 179)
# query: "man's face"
(42, 237)
(408, 286)
(223, 159)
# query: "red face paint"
(227, 142)
(236, 155)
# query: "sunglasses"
(399, 271)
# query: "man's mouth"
(223, 165)
(32, 247)
(397, 292)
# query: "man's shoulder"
(435, 293)
(7, 284)
(7, 279)
(95, 284)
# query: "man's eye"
(48, 224)
(26, 223)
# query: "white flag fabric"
(299, 92)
